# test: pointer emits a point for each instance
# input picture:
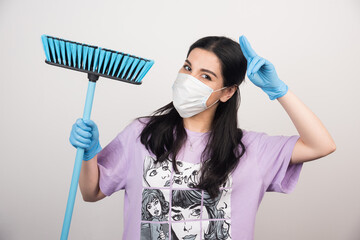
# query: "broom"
(94, 61)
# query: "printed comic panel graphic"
(185, 205)
(159, 174)
(154, 231)
(218, 207)
(187, 230)
(187, 176)
(216, 229)
(228, 183)
(156, 175)
(155, 205)
(224, 204)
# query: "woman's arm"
(89, 181)
(315, 141)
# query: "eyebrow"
(195, 205)
(204, 70)
(191, 207)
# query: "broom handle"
(77, 167)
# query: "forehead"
(196, 205)
(157, 165)
(200, 58)
(151, 199)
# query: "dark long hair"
(164, 133)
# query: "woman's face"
(206, 67)
(188, 229)
(154, 207)
(188, 174)
(160, 176)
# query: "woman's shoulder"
(250, 136)
(133, 127)
(137, 123)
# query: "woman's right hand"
(85, 134)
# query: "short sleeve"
(113, 162)
(274, 155)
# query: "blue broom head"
(95, 60)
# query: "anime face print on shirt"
(171, 204)
(159, 174)
(186, 212)
(187, 175)
(224, 203)
(156, 174)
(195, 215)
(155, 209)
(155, 205)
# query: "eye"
(187, 68)
(178, 181)
(206, 77)
(196, 212)
(177, 217)
(153, 173)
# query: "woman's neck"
(201, 122)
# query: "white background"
(314, 46)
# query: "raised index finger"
(246, 48)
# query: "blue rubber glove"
(261, 72)
(85, 134)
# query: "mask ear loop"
(216, 100)
(213, 104)
(237, 88)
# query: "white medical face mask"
(190, 95)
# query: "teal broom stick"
(77, 166)
(94, 61)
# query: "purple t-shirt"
(160, 204)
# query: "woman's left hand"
(261, 72)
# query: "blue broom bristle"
(96, 60)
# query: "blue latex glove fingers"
(256, 64)
(80, 136)
(78, 141)
(265, 75)
(261, 72)
(85, 134)
(94, 132)
(95, 146)
(253, 67)
(83, 130)
(246, 48)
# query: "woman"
(154, 205)
(188, 206)
(154, 208)
(199, 129)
